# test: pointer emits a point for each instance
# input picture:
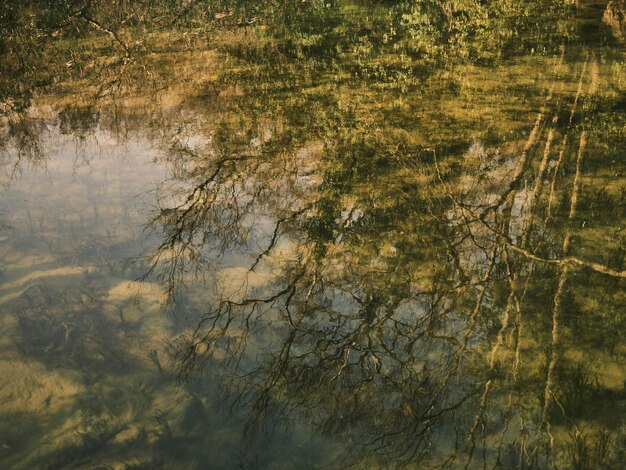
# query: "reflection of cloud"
(12, 288)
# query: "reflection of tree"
(415, 295)
(422, 305)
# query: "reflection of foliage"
(44, 43)
(422, 306)
(93, 44)
(615, 17)
(78, 121)
(23, 135)
(96, 50)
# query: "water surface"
(384, 236)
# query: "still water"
(362, 240)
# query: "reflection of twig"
(164, 429)
(96, 24)
(154, 357)
(565, 260)
(106, 30)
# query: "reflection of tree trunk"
(554, 351)
(517, 285)
(559, 163)
(507, 197)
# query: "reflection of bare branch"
(276, 235)
(406, 305)
(565, 260)
(96, 24)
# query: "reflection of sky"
(92, 184)
(72, 223)
(85, 204)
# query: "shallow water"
(348, 246)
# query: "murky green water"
(330, 235)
